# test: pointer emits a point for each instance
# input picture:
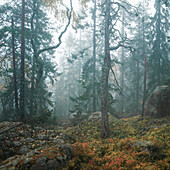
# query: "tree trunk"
(34, 46)
(122, 67)
(105, 132)
(22, 80)
(158, 31)
(94, 57)
(14, 70)
(137, 88)
(32, 113)
(144, 55)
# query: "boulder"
(76, 118)
(52, 164)
(77, 115)
(40, 162)
(95, 116)
(17, 143)
(28, 160)
(29, 140)
(158, 103)
(23, 150)
(22, 140)
(41, 136)
(144, 145)
(58, 141)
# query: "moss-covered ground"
(134, 143)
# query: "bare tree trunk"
(122, 67)
(137, 88)
(22, 80)
(94, 57)
(14, 69)
(158, 22)
(32, 113)
(144, 55)
(34, 46)
(105, 132)
(144, 87)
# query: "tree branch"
(115, 79)
(32, 30)
(122, 45)
(61, 34)
(131, 13)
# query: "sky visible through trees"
(83, 56)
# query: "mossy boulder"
(158, 103)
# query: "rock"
(52, 164)
(145, 145)
(29, 140)
(40, 162)
(1, 137)
(1, 154)
(8, 161)
(27, 160)
(4, 126)
(67, 150)
(33, 167)
(158, 103)
(95, 115)
(58, 141)
(9, 152)
(17, 143)
(8, 143)
(22, 140)
(77, 115)
(39, 128)
(23, 150)
(41, 136)
(4, 167)
(42, 143)
(15, 162)
(31, 153)
(60, 128)
(60, 158)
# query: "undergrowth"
(133, 144)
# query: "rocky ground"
(24, 148)
(134, 143)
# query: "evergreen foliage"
(158, 62)
(37, 68)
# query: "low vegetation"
(134, 144)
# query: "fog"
(84, 84)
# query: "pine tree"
(158, 62)
(43, 66)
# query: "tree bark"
(122, 60)
(14, 69)
(94, 57)
(105, 132)
(144, 55)
(22, 80)
(158, 54)
(137, 88)
(34, 46)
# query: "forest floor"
(134, 143)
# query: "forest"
(84, 84)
